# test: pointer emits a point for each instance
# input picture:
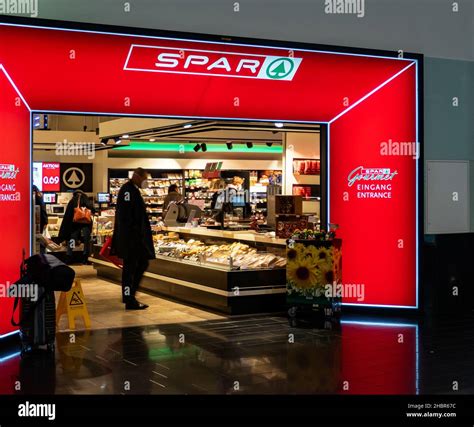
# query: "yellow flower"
(294, 254)
(303, 273)
(325, 275)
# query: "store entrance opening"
(213, 200)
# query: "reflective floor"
(251, 355)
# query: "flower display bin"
(313, 273)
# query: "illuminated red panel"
(378, 359)
(86, 64)
(9, 372)
(379, 234)
(14, 190)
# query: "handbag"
(82, 215)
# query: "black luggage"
(38, 315)
(38, 322)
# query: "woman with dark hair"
(72, 231)
(173, 196)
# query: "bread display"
(243, 256)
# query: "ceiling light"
(249, 144)
(229, 145)
(278, 124)
(104, 141)
(152, 139)
(204, 147)
(269, 144)
(187, 126)
(117, 141)
(197, 147)
(126, 136)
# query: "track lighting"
(229, 145)
(197, 147)
(269, 144)
(249, 144)
(117, 141)
(204, 147)
(104, 141)
(278, 124)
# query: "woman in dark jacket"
(71, 231)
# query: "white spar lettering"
(171, 60)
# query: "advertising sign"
(50, 177)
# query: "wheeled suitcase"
(38, 322)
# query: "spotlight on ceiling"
(126, 136)
(187, 126)
(197, 147)
(204, 147)
(152, 139)
(117, 141)
(278, 125)
(104, 141)
(229, 145)
(269, 144)
(249, 144)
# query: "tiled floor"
(106, 310)
(252, 355)
(174, 349)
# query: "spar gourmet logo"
(8, 171)
(8, 191)
(377, 182)
(211, 63)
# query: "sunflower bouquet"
(313, 261)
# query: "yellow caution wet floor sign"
(74, 305)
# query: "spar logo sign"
(211, 63)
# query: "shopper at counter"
(72, 231)
(132, 239)
(173, 196)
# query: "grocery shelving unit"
(155, 195)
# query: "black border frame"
(106, 28)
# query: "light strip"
(168, 116)
(417, 184)
(373, 91)
(383, 324)
(188, 148)
(10, 356)
(14, 86)
(9, 334)
(380, 305)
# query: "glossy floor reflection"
(250, 355)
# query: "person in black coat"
(72, 232)
(132, 239)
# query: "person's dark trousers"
(84, 235)
(133, 268)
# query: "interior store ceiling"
(107, 132)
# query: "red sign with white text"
(372, 196)
(211, 63)
(51, 177)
